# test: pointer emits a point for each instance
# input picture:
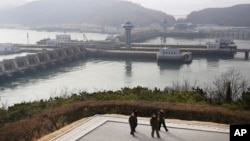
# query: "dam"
(87, 73)
(43, 58)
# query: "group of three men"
(156, 121)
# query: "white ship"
(173, 55)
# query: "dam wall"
(39, 60)
(141, 36)
(122, 54)
(241, 35)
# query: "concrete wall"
(235, 35)
(151, 34)
(39, 60)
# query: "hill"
(100, 12)
(231, 16)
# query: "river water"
(92, 74)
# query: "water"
(20, 36)
(109, 74)
(11, 56)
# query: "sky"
(184, 7)
(172, 7)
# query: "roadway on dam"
(116, 127)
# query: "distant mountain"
(231, 16)
(100, 12)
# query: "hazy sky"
(184, 7)
(173, 7)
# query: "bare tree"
(184, 85)
(229, 86)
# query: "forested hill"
(101, 12)
(237, 15)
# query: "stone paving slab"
(111, 127)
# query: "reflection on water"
(169, 66)
(128, 68)
(19, 36)
(94, 74)
(112, 74)
(40, 75)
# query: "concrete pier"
(9, 66)
(122, 54)
(246, 54)
(246, 51)
(151, 53)
(22, 64)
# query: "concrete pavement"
(116, 127)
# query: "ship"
(168, 54)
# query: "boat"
(8, 48)
(222, 44)
(167, 54)
(111, 38)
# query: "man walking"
(132, 123)
(154, 124)
(162, 116)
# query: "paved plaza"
(116, 128)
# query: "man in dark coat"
(154, 124)
(162, 116)
(132, 122)
(135, 113)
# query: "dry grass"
(53, 119)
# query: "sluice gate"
(42, 59)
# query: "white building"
(170, 52)
(174, 55)
(59, 39)
(63, 38)
(52, 43)
(8, 48)
(224, 41)
(213, 46)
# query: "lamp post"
(28, 38)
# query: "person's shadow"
(142, 137)
(173, 136)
